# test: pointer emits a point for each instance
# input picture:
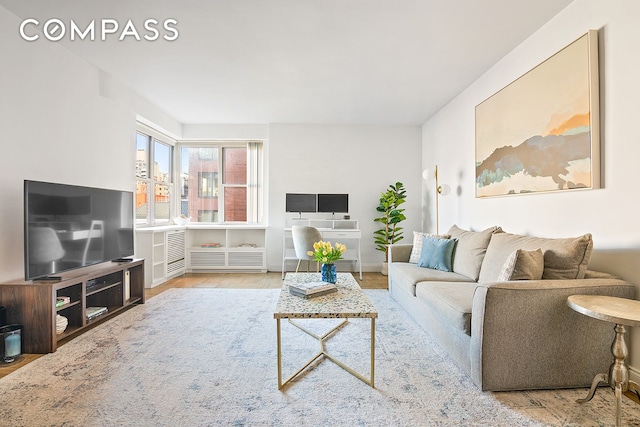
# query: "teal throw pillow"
(436, 253)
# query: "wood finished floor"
(216, 280)
(249, 281)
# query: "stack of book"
(93, 312)
(210, 245)
(312, 289)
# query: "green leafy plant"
(393, 215)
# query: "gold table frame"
(349, 302)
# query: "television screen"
(68, 227)
(333, 203)
(299, 202)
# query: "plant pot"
(385, 269)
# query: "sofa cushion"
(452, 302)
(436, 253)
(523, 265)
(405, 275)
(565, 258)
(470, 250)
(417, 244)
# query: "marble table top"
(349, 302)
(622, 311)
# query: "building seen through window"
(215, 181)
(153, 184)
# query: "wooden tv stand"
(33, 303)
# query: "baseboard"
(634, 374)
(366, 267)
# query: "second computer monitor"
(333, 203)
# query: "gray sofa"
(514, 334)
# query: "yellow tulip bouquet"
(325, 253)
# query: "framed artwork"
(541, 132)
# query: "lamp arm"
(438, 191)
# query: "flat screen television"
(300, 202)
(333, 203)
(68, 227)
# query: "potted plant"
(393, 215)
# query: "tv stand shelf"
(114, 285)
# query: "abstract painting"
(541, 132)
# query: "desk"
(335, 231)
(621, 311)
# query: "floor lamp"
(441, 190)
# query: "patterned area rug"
(207, 357)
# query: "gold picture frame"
(542, 132)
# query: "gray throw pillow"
(470, 249)
(564, 258)
(523, 265)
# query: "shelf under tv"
(33, 303)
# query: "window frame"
(254, 167)
(154, 137)
(214, 177)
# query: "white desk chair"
(303, 239)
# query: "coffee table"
(621, 311)
(349, 302)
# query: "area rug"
(207, 357)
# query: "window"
(207, 185)
(142, 190)
(221, 182)
(234, 184)
(154, 186)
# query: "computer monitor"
(300, 202)
(333, 203)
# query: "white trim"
(155, 133)
(217, 142)
(634, 374)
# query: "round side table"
(623, 312)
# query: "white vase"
(385, 269)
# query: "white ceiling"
(302, 61)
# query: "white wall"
(359, 160)
(226, 132)
(65, 121)
(56, 127)
(609, 213)
(145, 111)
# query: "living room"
(68, 121)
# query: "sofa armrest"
(525, 336)
(400, 252)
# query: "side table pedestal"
(620, 311)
